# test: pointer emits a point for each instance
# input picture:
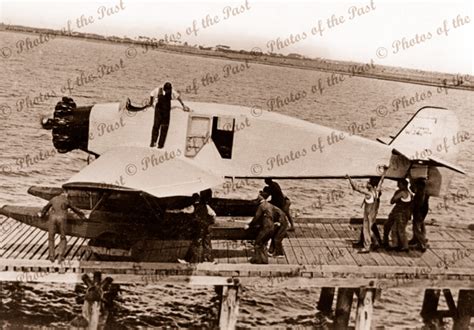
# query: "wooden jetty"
(317, 254)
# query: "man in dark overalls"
(200, 249)
(160, 98)
(420, 210)
(263, 222)
(162, 115)
(279, 200)
(399, 217)
(281, 225)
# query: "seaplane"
(133, 190)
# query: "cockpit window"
(198, 134)
(223, 135)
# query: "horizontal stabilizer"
(444, 163)
(384, 140)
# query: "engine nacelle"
(70, 126)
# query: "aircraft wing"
(157, 172)
(441, 162)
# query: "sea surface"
(33, 81)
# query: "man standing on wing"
(160, 98)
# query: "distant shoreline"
(366, 70)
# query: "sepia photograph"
(236, 164)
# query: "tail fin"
(430, 133)
(429, 140)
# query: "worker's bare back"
(59, 206)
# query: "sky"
(434, 35)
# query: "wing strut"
(150, 205)
(103, 197)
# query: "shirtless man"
(57, 208)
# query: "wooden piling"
(465, 309)
(429, 309)
(343, 307)
(453, 311)
(229, 306)
(365, 306)
(325, 300)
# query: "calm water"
(32, 82)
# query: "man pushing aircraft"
(57, 208)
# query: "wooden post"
(325, 300)
(229, 306)
(453, 311)
(324, 307)
(365, 306)
(343, 307)
(429, 309)
(91, 312)
(465, 309)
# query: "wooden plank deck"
(317, 253)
